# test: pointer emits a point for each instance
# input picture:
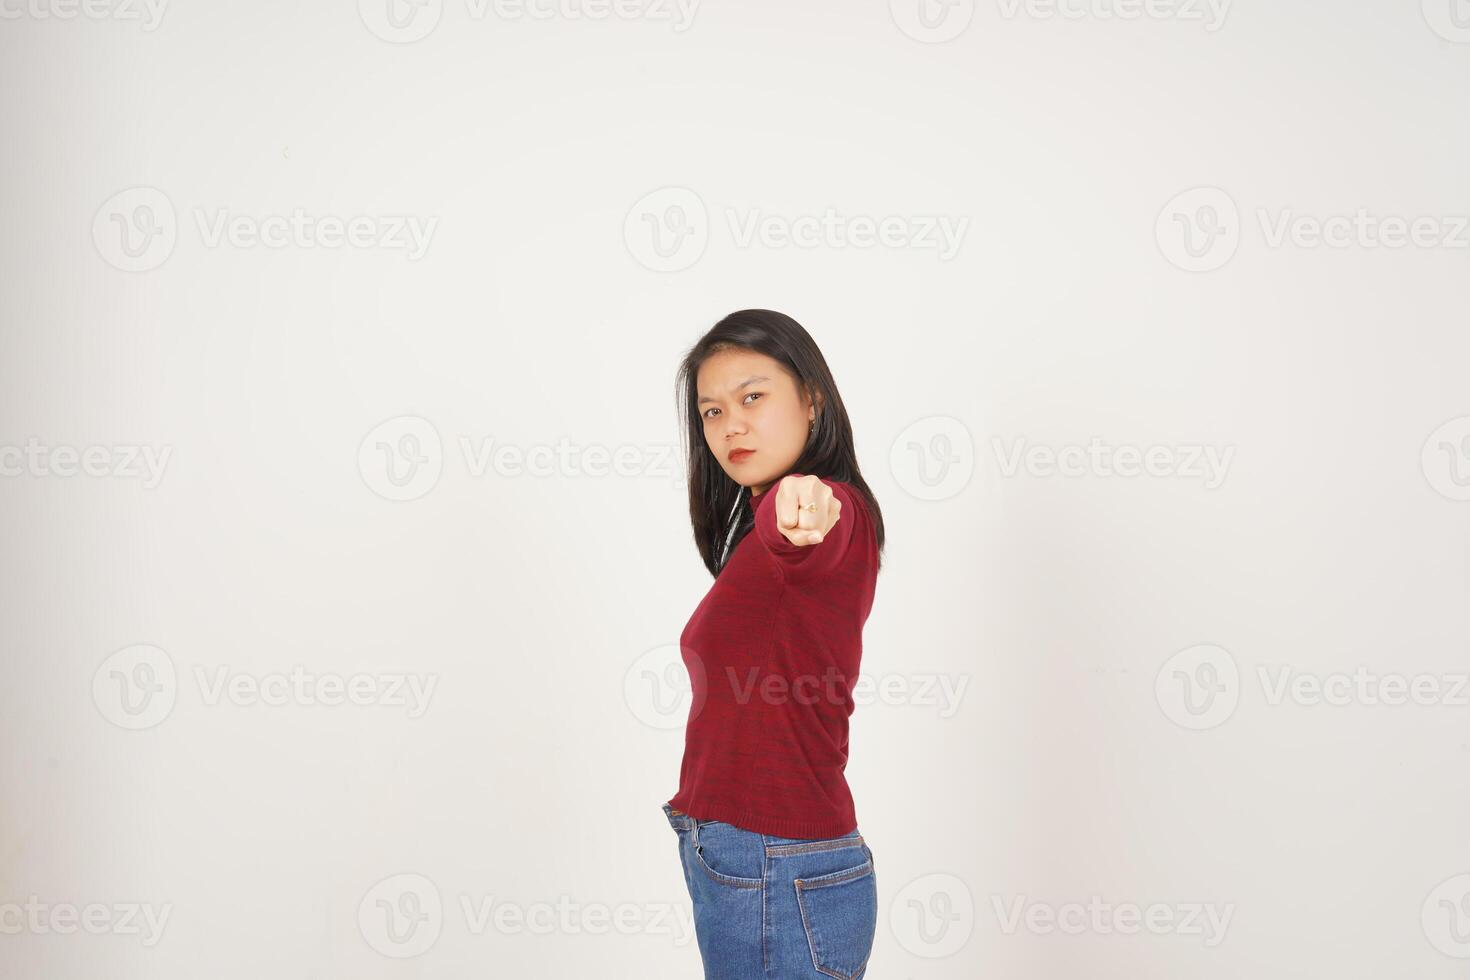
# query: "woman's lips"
(741, 455)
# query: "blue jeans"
(777, 908)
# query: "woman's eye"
(753, 394)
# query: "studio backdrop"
(345, 538)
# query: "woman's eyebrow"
(744, 384)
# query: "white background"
(542, 315)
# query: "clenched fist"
(805, 509)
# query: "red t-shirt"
(772, 652)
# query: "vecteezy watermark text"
(939, 691)
(935, 458)
(667, 685)
(137, 229)
(406, 21)
(1200, 687)
(137, 687)
(940, 233)
(404, 915)
(148, 12)
(1285, 684)
(668, 229)
(408, 232)
(122, 461)
(40, 918)
(1207, 463)
(298, 686)
(1200, 230)
(1211, 13)
(403, 458)
(1104, 918)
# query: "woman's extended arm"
(807, 543)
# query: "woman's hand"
(796, 519)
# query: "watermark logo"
(509, 460)
(666, 686)
(39, 918)
(1201, 686)
(1362, 687)
(148, 13)
(1201, 229)
(933, 458)
(1210, 13)
(408, 233)
(135, 230)
(667, 230)
(1102, 918)
(125, 461)
(401, 21)
(402, 458)
(924, 690)
(942, 692)
(1198, 230)
(679, 13)
(406, 21)
(401, 916)
(933, 916)
(1446, 916)
(1208, 464)
(1445, 459)
(940, 233)
(1362, 229)
(932, 21)
(298, 686)
(1450, 19)
(136, 687)
(1198, 687)
(570, 916)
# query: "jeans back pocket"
(839, 912)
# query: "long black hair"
(714, 499)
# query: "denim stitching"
(837, 878)
(806, 925)
(838, 843)
(723, 878)
(765, 902)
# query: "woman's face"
(750, 401)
